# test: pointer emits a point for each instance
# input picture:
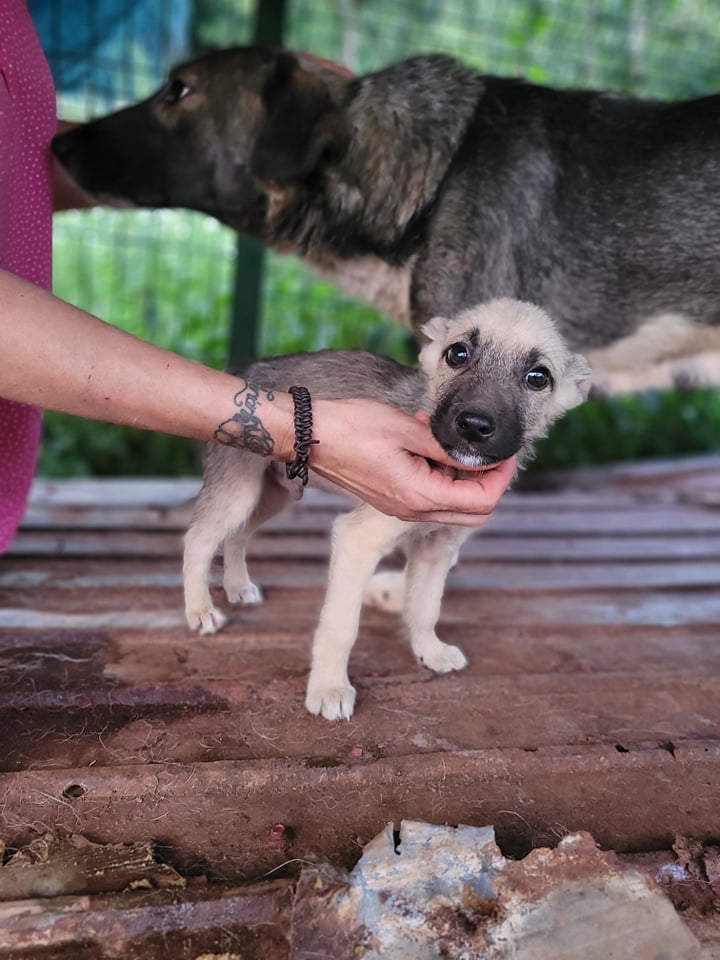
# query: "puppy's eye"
(456, 355)
(176, 90)
(538, 378)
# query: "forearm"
(60, 358)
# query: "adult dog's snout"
(62, 147)
(474, 426)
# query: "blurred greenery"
(167, 275)
(125, 267)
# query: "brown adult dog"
(428, 187)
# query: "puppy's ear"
(432, 338)
(434, 329)
(577, 372)
(303, 130)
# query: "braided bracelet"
(303, 434)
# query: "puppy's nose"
(474, 427)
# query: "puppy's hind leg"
(386, 591)
(429, 561)
(231, 491)
(238, 586)
(360, 540)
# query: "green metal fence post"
(246, 310)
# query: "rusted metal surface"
(59, 863)
(201, 923)
(421, 891)
(590, 613)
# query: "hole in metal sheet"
(74, 791)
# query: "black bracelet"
(303, 434)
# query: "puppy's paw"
(334, 703)
(248, 593)
(386, 591)
(206, 622)
(442, 657)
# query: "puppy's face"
(499, 375)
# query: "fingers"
(397, 466)
(433, 495)
(468, 501)
(486, 487)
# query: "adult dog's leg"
(429, 560)
(360, 540)
(226, 503)
(685, 372)
(238, 586)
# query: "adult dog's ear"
(303, 131)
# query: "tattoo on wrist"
(245, 429)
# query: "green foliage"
(166, 276)
(657, 424)
(664, 49)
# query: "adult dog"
(492, 381)
(427, 187)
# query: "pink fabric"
(27, 124)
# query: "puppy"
(428, 187)
(492, 381)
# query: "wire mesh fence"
(168, 275)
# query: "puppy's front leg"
(360, 540)
(429, 561)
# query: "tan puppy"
(492, 381)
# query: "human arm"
(60, 358)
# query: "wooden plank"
(677, 473)
(469, 575)
(555, 519)
(314, 545)
(161, 590)
(100, 492)
(405, 713)
(607, 480)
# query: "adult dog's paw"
(333, 703)
(443, 657)
(206, 622)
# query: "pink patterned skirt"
(27, 124)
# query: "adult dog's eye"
(176, 90)
(456, 355)
(538, 378)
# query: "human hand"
(381, 455)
